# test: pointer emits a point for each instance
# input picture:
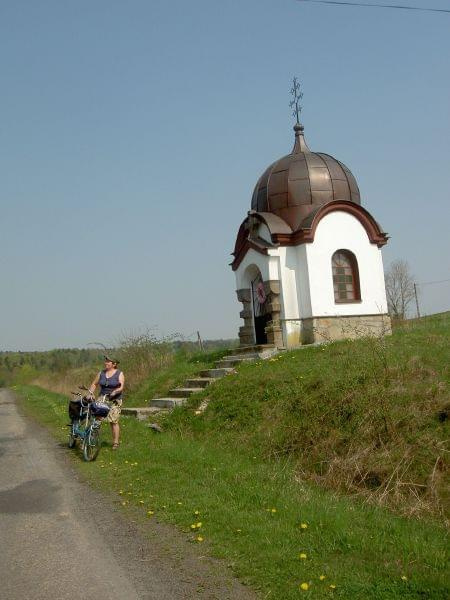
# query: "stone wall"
(273, 329)
(322, 329)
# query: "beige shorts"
(115, 410)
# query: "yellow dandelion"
(303, 556)
(124, 503)
(199, 524)
(304, 586)
(141, 502)
(194, 526)
(332, 586)
(150, 513)
(273, 510)
(199, 538)
(196, 512)
(322, 577)
(179, 503)
(239, 530)
(121, 492)
(303, 526)
(404, 578)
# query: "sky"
(132, 135)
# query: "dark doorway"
(261, 314)
(260, 329)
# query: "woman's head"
(110, 363)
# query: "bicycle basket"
(99, 409)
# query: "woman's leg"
(115, 430)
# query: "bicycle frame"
(86, 429)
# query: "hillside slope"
(368, 416)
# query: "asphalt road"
(61, 540)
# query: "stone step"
(256, 348)
(167, 403)
(184, 392)
(198, 382)
(245, 356)
(141, 413)
(217, 373)
(226, 363)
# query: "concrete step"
(140, 412)
(198, 382)
(167, 403)
(184, 392)
(243, 356)
(216, 373)
(256, 348)
(226, 363)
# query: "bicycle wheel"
(91, 444)
(72, 434)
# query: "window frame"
(355, 277)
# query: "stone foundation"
(323, 329)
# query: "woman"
(111, 382)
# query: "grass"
(161, 381)
(366, 417)
(251, 508)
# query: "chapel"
(307, 257)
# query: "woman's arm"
(94, 383)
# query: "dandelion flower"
(196, 512)
(199, 524)
(303, 526)
(303, 556)
(273, 510)
(194, 526)
(179, 503)
(141, 502)
(332, 586)
(124, 503)
(322, 577)
(150, 513)
(304, 586)
(121, 492)
(199, 538)
(404, 578)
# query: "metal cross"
(298, 95)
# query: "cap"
(109, 359)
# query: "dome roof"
(297, 184)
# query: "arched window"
(345, 277)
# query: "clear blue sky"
(132, 134)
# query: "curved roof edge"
(281, 233)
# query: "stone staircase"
(178, 396)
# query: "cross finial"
(298, 95)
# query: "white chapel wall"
(340, 230)
(267, 265)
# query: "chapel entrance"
(261, 314)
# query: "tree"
(399, 289)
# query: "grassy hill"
(368, 416)
(320, 472)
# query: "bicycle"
(86, 415)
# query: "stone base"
(324, 329)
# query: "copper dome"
(297, 184)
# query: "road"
(62, 540)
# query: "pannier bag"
(74, 409)
(99, 409)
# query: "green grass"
(160, 382)
(368, 416)
(362, 549)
